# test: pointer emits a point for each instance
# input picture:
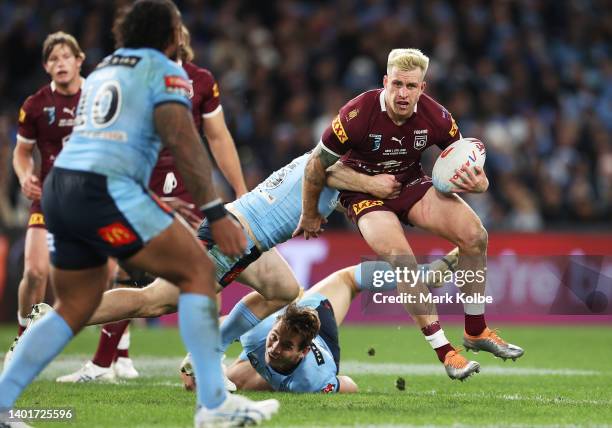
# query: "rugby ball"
(468, 152)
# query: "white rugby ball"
(468, 152)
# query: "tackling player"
(111, 357)
(297, 349)
(45, 122)
(385, 131)
(134, 101)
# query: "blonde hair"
(185, 49)
(407, 59)
(61, 38)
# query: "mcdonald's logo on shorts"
(36, 219)
(117, 234)
(364, 205)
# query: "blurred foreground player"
(134, 101)
(45, 121)
(384, 131)
(111, 358)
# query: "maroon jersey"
(204, 94)
(368, 140)
(46, 119)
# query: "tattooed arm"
(312, 185)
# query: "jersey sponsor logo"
(117, 234)
(178, 85)
(339, 130)
(22, 115)
(328, 388)
(122, 60)
(170, 183)
(399, 140)
(50, 112)
(253, 359)
(66, 122)
(36, 219)
(446, 152)
(215, 90)
(454, 128)
(420, 141)
(364, 205)
(317, 354)
(352, 114)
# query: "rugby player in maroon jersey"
(45, 122)
(385, 131)
(111, 358)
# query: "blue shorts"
(329, 327)
(91, 217)
(227, 268)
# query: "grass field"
(564, 379)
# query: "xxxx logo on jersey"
(117, 234)
(454, 128)
(339, 130)
(36, 219)
(364, 205)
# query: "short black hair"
(147, 24)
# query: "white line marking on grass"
(358, 367)
(169, 366)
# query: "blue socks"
(38, 345)
(199, 327)
(238, 321)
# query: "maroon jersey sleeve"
(448, 131)
(347, 129)
(27, 130)
(210, 92)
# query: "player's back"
(115, 134)
(272, 210)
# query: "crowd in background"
(531, 78)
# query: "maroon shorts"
(167, 183)
(37, 219)
(359, 204)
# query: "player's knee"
(152, 305)
(474, 239)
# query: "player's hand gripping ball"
(467, 152)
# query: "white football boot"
(38, 310)
(124, 368)
(90, 372)
(187, 368)
(236, 411)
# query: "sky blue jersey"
(114, 134)
(317, 372)
(272, 210)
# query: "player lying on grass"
(297, 349)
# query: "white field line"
(168, 366)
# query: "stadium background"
(532, 79)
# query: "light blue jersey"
(114, 134)
(272, 210)
(317, 372)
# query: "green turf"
(580, 395)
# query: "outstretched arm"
(313, 183)
(382, 186)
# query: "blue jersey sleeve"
(258, 334)
(169, 83)
(313, 383)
